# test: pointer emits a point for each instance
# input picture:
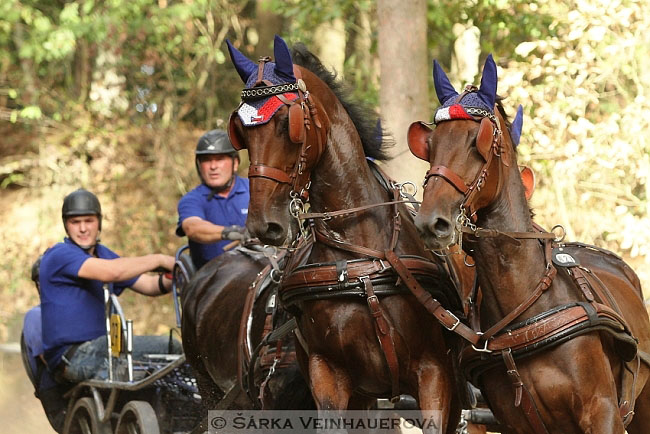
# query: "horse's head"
(284, 127)
(468, 152)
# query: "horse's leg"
(330, 385)
(435, 394)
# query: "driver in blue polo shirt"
(72, 274)
(214, 213)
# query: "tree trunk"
(268, 24)
(330, 45)
(405, 69)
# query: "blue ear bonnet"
(472, 99)
(260, 110)
(268, 74)
(483, 97)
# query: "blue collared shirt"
(223, 211)
(72, 308)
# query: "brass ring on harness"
(559, 239)
(403, 192)
(275, 275)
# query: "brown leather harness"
(377, 273)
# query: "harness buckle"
(453, 327)
(382, 264)
(485, 347)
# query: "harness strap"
(544, 283)
(262, 171)
(329, 274)
(331, 214)
(494, 233)
(243, 343)
(523, 398)
(342, 245)
(449, 175)
(366, 251)
(433, 306)
(383, 329)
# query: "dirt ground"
(20, 410)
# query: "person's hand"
(233, 232)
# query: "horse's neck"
(343, 180)
(507, 273)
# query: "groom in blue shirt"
(214, 213)
(72, 274)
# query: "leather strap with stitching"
(383, 329)
(523, 398)
(433, 306)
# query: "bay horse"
(218, 336)
(308, 143)
(562, 340)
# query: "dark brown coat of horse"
(213, 303)
(576, 386)
(341, 355)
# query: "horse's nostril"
(274, 230)
(441, 227)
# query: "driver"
(214, 213)
(72, 274)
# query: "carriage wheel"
(83, 419)
(137, 417)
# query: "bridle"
(303, 114)
(484, 189)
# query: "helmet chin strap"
(226, 186)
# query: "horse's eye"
(282, 127)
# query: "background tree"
(404, 65)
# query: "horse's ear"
(528, 178)
(444, 88)
(485, 137)
(283, 62)
(417, 138)
(244, 66)
(517, 123)
(233, 132)
(488, 90)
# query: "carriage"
(156, 394)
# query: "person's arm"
(202, 231)
(119, 269)
(149, 284)
(205, 232)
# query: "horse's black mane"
(363, 117)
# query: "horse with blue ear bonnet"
(355, 255)
(562, 338)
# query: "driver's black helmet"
(213, 142)
(81, 202)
